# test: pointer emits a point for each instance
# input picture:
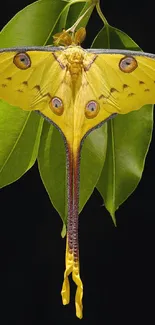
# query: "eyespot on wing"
(128, 64)
(56, 105)
(91, 109)
(22, 61)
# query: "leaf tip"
(113, 218)
(63, 231)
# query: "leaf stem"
(105, 22)
(74, 26)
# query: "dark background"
(117, 264)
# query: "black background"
(117, 264)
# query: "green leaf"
(92, 160)
(128, 142)
(19, 140)
(113, 38)
(52, 167)
(20, 130)
(129, 137)
(40, 17)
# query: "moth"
(77, 90)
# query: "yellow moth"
(77, 90)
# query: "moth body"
(77, 90)
(76, 60)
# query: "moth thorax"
(75, 71)
(75, 64)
